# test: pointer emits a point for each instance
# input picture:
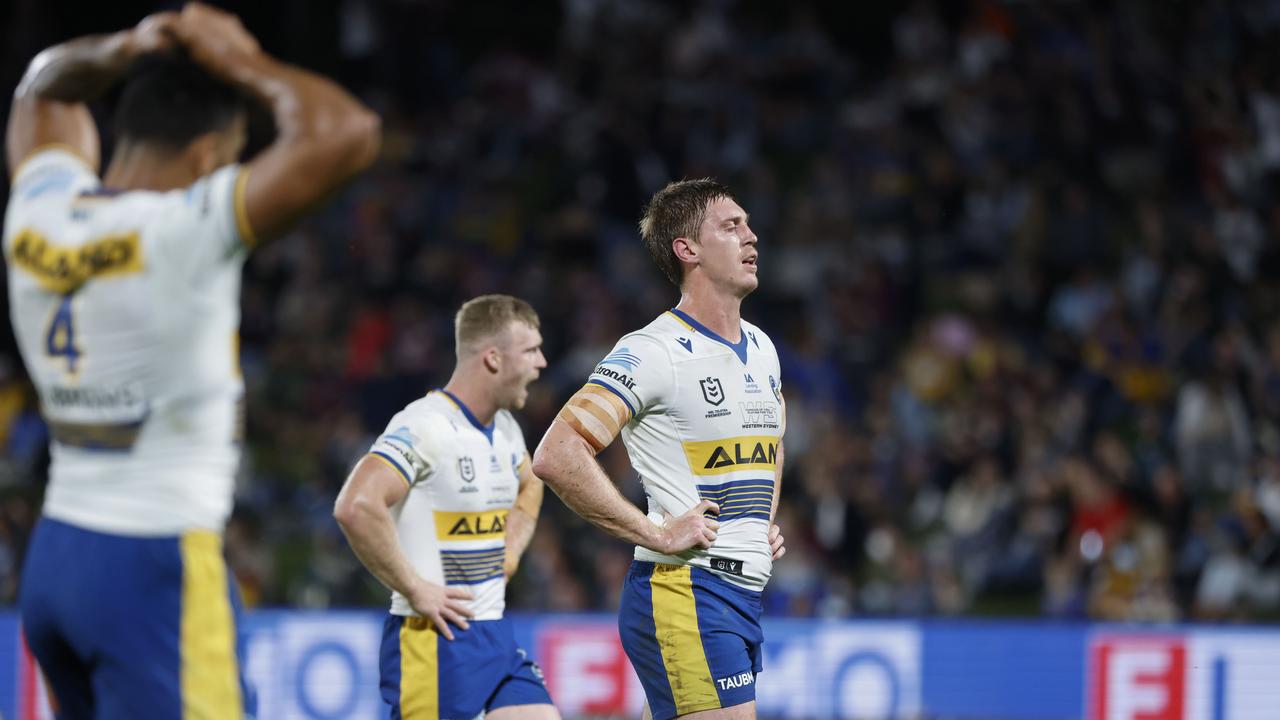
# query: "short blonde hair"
(481, 318)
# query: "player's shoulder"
(504, 422)
(431, 412)
(656, 338)
(758, 337)
(52, 171)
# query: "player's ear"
(492, 359)
(686, 250)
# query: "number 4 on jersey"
(61, 339)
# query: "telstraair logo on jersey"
(716, 457)
(712, 391)
(486, 525)
(623, 358)
(622, 378)
(64, 269)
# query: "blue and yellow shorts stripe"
(693, 638)
(133, 627)
(426, 677)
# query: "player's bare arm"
(324, 136)
(522, 519)
(363, 511)
(566, 462)
(49, 107)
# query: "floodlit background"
(1019, 259)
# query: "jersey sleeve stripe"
(242, 213)
(394, 465)
(617, 392)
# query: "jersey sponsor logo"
(612, 374)
(64, 269)
(773, 385)
(485, 525)
(752, 387)
(715, 457)
(759, 414)
(742, 679)
(623, 358)
(685, 343)
(712, 391)
(754, 341)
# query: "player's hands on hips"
(775, 541)
(690, 530)
(442, 605)
(214, 38)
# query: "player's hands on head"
(156, 33)
(215, 39)
(775, 541)
(690, 530)
(442, 605)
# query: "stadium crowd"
(1018, 266)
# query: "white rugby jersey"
(706, 422)
(463, 480)
(126, 308)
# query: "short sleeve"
(49, 172)
(217, 229)
(638, 370)
(409, 447)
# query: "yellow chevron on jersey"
(470, 525)
(716, 457)
(61, 269)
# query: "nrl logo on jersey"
(712, 391)
(759, 414)
(467, 471)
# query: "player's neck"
(473, 395)
(719, 313)
(138, 167)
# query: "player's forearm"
(568, 467)
(371, 531)
(79, 70)
(519, 532)
(308, 107)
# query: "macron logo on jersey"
(686, 343)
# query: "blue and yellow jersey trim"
(472, 567)
(238, 200)
(393, 464)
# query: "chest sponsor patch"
(484, 525)
(715, 457)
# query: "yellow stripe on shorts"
(210, 676)
(419, 670)
(675, 618)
